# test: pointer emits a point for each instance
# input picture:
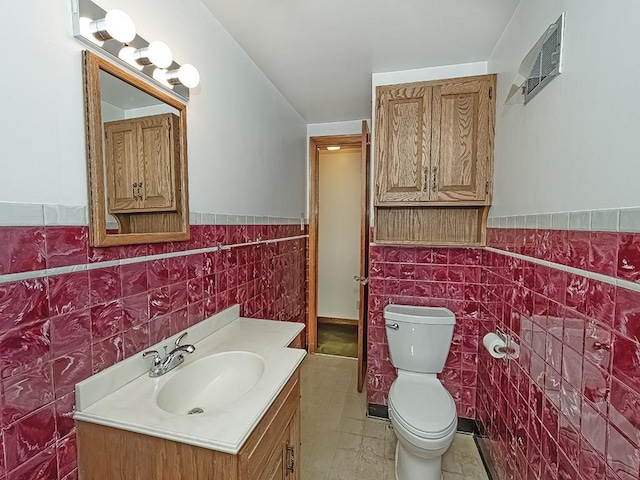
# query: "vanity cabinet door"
(276, 467)
(292, 448)
(272, 450)
(285, 464)
(140, 157)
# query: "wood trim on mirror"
(147, 226)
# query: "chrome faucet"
(161, 365)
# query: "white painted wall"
(339, 233)
(246, 143)
(353, 127)
(427, 74)
(574, 146)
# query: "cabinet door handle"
(434, 187)
(291, 459)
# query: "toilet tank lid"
(424, 315)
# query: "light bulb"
(120, 26)
(160, 75)
(160, 54)
(85, 31)
(187, 75)
(126, 54)
(115, 25)
(157, 53)
(333, 148)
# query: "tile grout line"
(49, 272)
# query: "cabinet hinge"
(490, 93)
(486, 188)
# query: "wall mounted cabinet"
(140, 159)
(434, 161)
(434, 142)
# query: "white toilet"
(422, 411)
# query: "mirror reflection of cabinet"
(140, 160)
(136, 158)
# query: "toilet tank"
(419, 337)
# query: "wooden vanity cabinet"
(141, 164)
(272, 451)
(434, 161)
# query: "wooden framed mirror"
(136, 138)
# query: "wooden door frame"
(365, 222)
(315, 144)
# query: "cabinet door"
(284, 463)
(403, 135)
(462, 140)
(157, 163)
(293, 456)
(121, 166)
(276, 466)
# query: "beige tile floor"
(340, 443)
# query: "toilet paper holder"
(507, 349)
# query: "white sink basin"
(211, 382)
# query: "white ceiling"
(321, 53)
(120, 94)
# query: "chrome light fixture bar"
(113, 34)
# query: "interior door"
(364, 255)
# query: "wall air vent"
(541, 65)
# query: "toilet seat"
(423, 407)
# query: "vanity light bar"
(113, 34)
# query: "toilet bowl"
(423, 415)
(421, 410)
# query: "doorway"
(338, 246)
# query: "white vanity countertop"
(124, 396)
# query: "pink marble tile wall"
(569, 407)
(57, 330)
(443, 277)
(608, 253)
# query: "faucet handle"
(179, 339)
(155, 354)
